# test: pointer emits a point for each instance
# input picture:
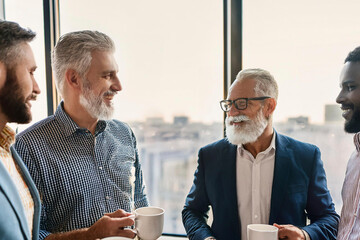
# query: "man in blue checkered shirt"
(84, 165)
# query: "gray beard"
(249, 132)
(95, 106)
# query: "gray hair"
(265, 82)
(12, 37)
(73, 51)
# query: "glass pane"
(171, 69)
(18, 11)
(303, 44)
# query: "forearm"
(195, 225)
(80, 234)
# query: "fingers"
(126, 233)
(118, 214)
(289, 232)
(117, 227)
(123, 222)
(109, 226)
(278, 226)
(282, 226)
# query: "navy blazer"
(13, 223)
(299, 191)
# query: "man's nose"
(340, 98)
(36, 88)
(117, 85)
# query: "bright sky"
(303, 44)
(170, 53)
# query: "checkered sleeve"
(27, 157)
(43, 234)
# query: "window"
(18, 11)
(170, 56)
(303, 44)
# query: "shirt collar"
(271, 146)
(357, 141)
(70, 127)
(7, 138)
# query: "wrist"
(306, 235)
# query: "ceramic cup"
(149, 222)
(262, 232)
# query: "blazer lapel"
(281, 175)
(33, 191)
(10, 190)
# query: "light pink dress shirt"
(349, 228)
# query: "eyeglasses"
(240, 103)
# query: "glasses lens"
(240, 104)
(225, 105)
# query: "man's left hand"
(289, 232)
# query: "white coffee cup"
(262, 232)
(149, 222)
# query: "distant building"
(301, 120)
(155, 121)
(181, 120)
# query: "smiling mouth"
(238, 122)
(32, 97)
(109, 97)
(347, 110)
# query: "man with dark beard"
(349, 98)
(19, 199)
(256, 175)
(85, 165)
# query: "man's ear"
(2, 74)
(270, 106)
(73, 79)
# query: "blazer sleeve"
(320, 208)
(195, 212)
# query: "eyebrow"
(109, 71)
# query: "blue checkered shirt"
(81, 176)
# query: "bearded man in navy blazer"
(256, 175)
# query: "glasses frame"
(246, 102)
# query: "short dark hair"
(12, 35)
(353, 56)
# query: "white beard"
(95, 105)
(249, 132)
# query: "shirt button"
(256, 216)
(100, 168)
(108, 197)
